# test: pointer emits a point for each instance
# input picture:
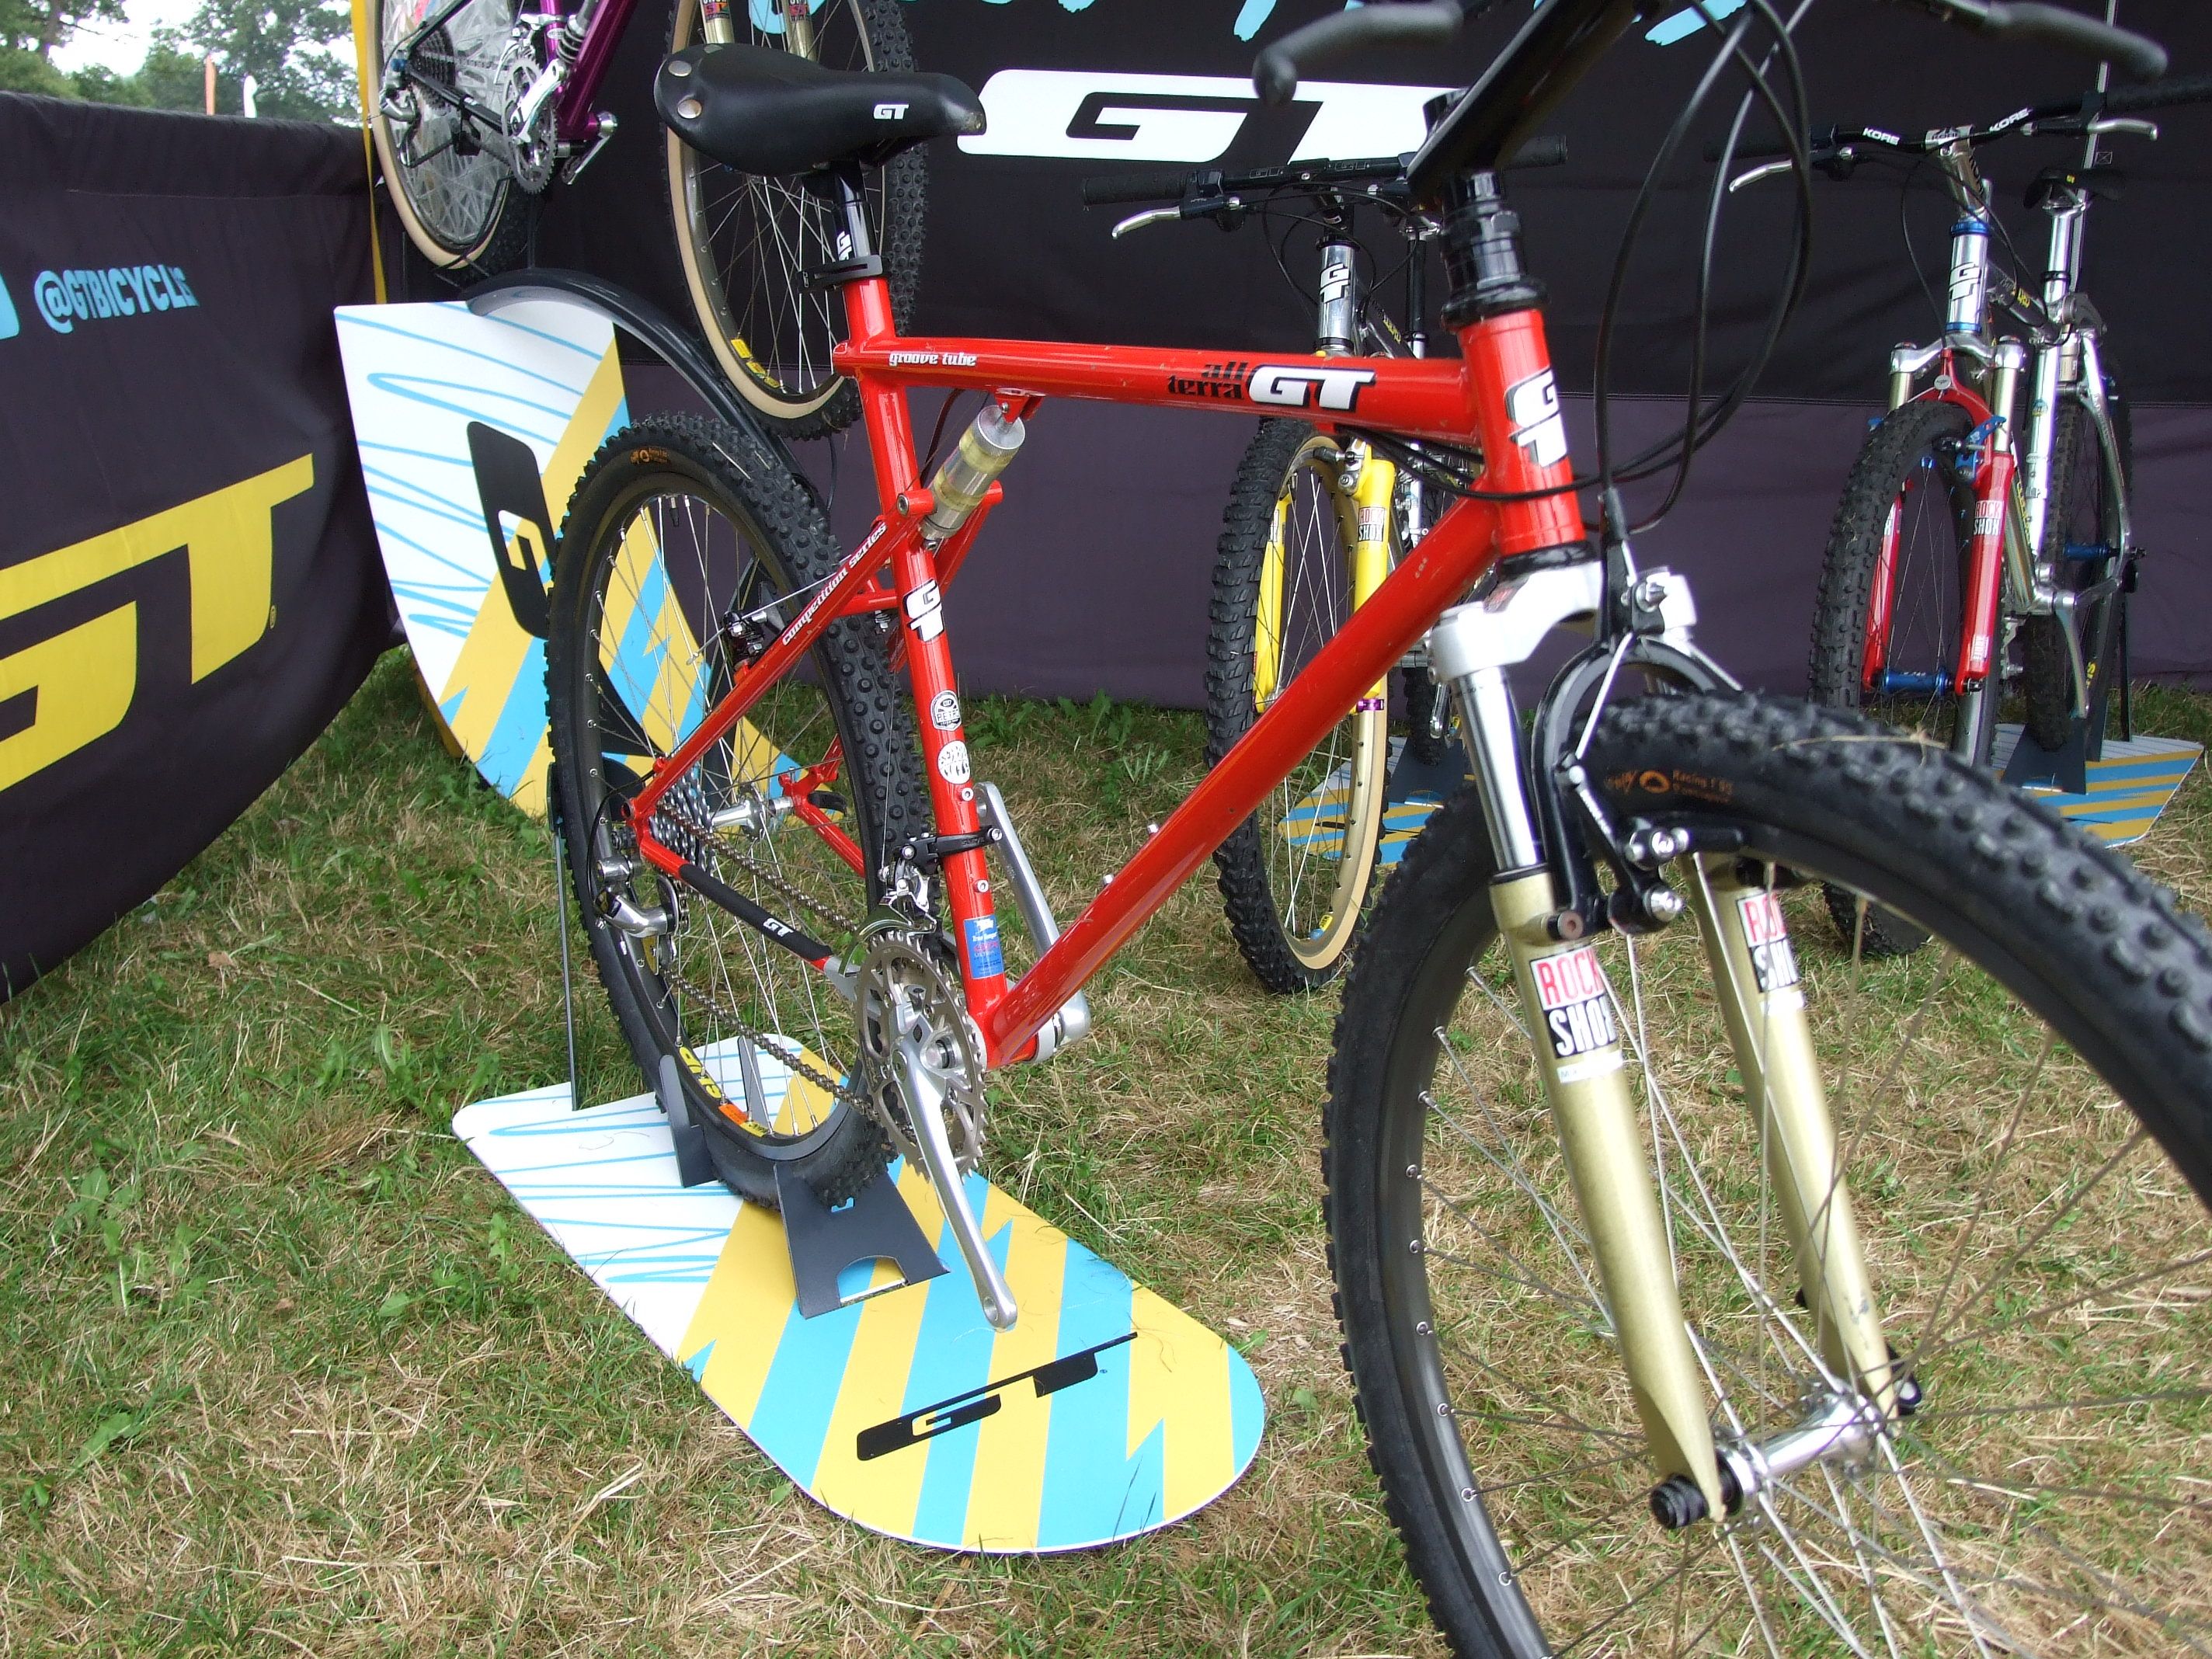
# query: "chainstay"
(712, 839)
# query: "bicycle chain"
(792, 1057)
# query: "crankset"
(921, 1059)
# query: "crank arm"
(926, 1114)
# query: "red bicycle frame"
(1503, 372)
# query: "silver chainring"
(908, 1011)
(535, 151)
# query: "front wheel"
(2024, 1119)
(746, 242)
(461, 202)
(686, 545)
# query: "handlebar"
(1275, 72)
(2138, 55)
(2070, 117)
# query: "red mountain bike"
(1640, 1369)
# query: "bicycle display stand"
(488, 408)
(2117, 795)
(1104, 1414)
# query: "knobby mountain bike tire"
(2023, 1119)
(1295, 877)
(745, 241)
(685, 538)
(461, 206)
(2083, 514)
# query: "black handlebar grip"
(2160, 94)
(1409, 23)
(1546, 152)
(1118, 187)
(2139, 55)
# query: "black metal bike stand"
(874, 1225)
(2065, 769)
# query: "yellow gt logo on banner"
(83, 678)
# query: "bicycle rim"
(2042, 1270)
(745, 240)
(670, 565)
(452, 196)
(1320, 829)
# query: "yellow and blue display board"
(544, 372)
(1106, 1411)
(2129, 785)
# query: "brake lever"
(1150, 216)
(1766, 170)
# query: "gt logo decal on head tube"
(1538, 426)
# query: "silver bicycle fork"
(1575, 1023)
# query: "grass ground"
(286, 1371)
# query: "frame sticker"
(1538, 426)
(1768, 936)
(952, 761)
(944, 711)
(985, 958)
(1577, 1007)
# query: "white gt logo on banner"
(1099, 115)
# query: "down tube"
(1429, 578)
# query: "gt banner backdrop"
(188, 587)
(1094, 574)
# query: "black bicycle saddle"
(761, 110)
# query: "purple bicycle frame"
(577, 121)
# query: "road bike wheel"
(2025, 1121)
(2082, 539)
(1898, 549)
(462, 206)
(746, 241)
(1296, 876)
(684, 540)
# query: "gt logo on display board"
(77, 685)
(1577, 1008)
(1104, 115)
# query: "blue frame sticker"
(985, 958)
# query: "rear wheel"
(745, 242)
(684, 539)
(461, 203)
(2082, 540)
(2025, 1120)
(1296, 876)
